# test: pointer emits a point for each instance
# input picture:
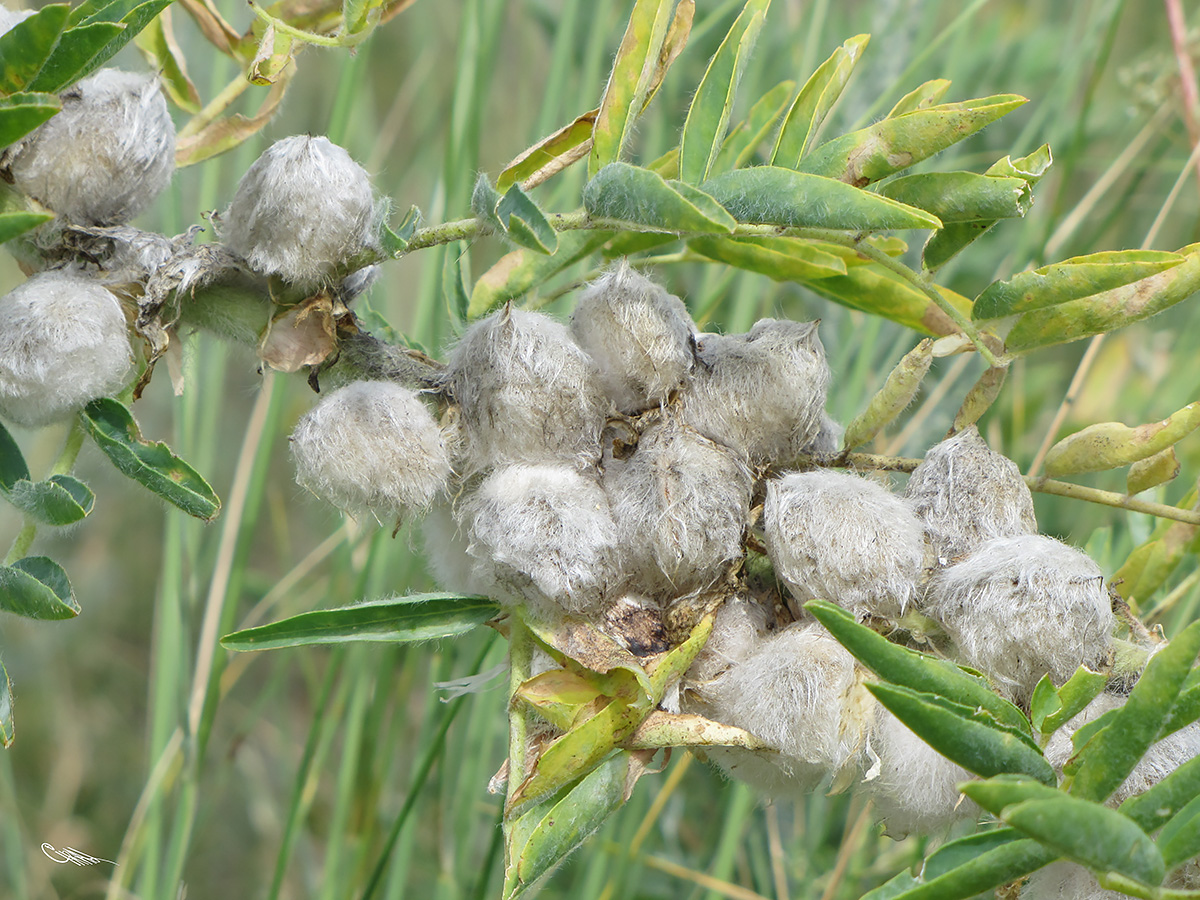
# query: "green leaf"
(395, 243)
(1108, 310)
(1091, 834)
(75, 63)
(962, 196)
(780, 258)
(1072, 279)
(910, 669)
(1080, 689)
(25, 48)
(21, 113)
(357, 14)
(1149, 566)
(1180, 837)
(892, 145)
(60, 500)
(559, 695)
(454, 277)
(950, 856)
(77, 47)
(1186, 709)
(8, 731)
(921, 97)
(157, 43)
(814, 102)
(551, 154)
(1158, 805)
(997, 794)
(1084, 735)
(154, 466)
(484, 200)
(37, 587)
(744, 139)
(897, 393)
(14, 224)
(1152, 471)
(521, 271)
(1112, 754)
(991, 868)
(525, 222)
(631, 81)
(13, 467)
(973, 740)
(708, 116)
(570, 822)
(773, 196)
(645, 200)
(1044, 703)
(421, 617)
(1110, 445)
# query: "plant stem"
(520, 656)
(62, 466)
(306, 36)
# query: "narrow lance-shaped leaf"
(13, 467)
(1180, 838)
(421, 617)
(917, 671)
(134, 21)
(77, 47)
(991, 868)
(1186, 709)
(525, 222)
(154, 466)
(780, 258)
(523, 270)
(1072, 279)
(773, 196)
(645, 200)
(1158, 805)
(892, 145)
(395, 243)
(8, 731)
(631, 80)
(15, 224)
(961, 196)
(157, 43)
(1112, 754)
(1152, 471)
(25, 47)
(37, 587)
(1108, 310)
(21, 113)
(820, 92)
(897, 392)
(921, 97)
(1110, 445)
(708, 117)
(959, 734)
(1079, 690)
(551, 154)
(744, 139)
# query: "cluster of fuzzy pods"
(303, 212)
(625, 462)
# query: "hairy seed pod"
(738, 626)
(371, 446)
(446, 556)
(842, 538)
(794, 691)
(893, 398)
(640, 336)
(681, 503)
(761, 393)
(967, 494)
(303, 209)
(63, 342)
(543, 532)
(1064, 880)
(914, 787)
(106, 156)
(1023, 607)
(526, 391)
(1163, 757)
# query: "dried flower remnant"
(1023, 607)
(303, 210)
(371, 446)
(681, 503)
(640, 336)
(966, 494)
(105, 157)
(526, 392)
(63, 342)
(761, 393)
(544, 534)
(845, 539)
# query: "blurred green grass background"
(314, 751)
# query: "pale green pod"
(1110, 445)
(1152, 471)
(893, 398)
(980, 397)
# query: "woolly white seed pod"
(738, 626)
(796, 691)
(63, 342)
(106, 156)
(1163, 757)
(1023, 607)
(640, 336)
(303, 209)
(681, 503)
(545, 533)
(913, 786)
(845, 539)
(527, 393)
(761, 393)
(828, 438)
(371, 446)
(1064, 880)
(445, 544)
(966, 494)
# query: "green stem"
(520, 655)
(306, 36)
(62, 466)
(22, 542)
